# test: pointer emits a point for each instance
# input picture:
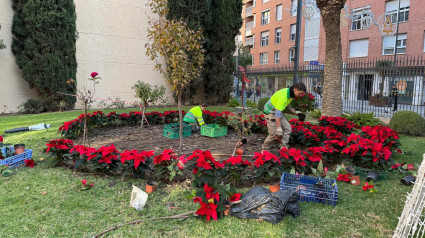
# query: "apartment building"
(269, 29)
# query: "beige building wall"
(112, 38)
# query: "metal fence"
(368, 85)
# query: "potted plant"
(269, 169)
(204, 167)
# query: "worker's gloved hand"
(279, 131)
(297, 112)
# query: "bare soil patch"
(151, 138)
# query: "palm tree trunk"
(330, 10)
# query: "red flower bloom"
(197, 199)
(210, 193)
(1, 139)
(94, 74)
(209, 210)
(395, 166)
(410, 167)
(84, 182)
(343, 177)
(367, 186)
(235, 197)
(29, 163)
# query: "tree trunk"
(143, 115)
(86, 129)
(179, 101)
(330, 10)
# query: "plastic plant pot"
(151, 186)
(239, 151)
(301, 117)
(226, 212)
(354, 180)
(350, 170)
(372, 176)
(274, 187)
(19, 148)
(408, 180)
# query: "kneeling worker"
(194, 117)
(277, 124)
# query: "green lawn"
(63, 211)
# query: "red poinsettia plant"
(368, 186)
(167, 165)
(213, 199)
(298, 160)
(60, 148)
(267, 166)
(205, 168)
(368, 153)
(404, 168)
(236, 168)
(339, 123)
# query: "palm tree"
(330, 10)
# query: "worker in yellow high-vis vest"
(277, 124)
(194, 117)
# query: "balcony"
(249, 41)
(249, 25)
(248, 11)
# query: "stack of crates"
(172, 130)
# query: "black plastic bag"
(260, 203)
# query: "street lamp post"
(297, 41)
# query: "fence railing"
(372, 85)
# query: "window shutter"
(279, 12)
(388, 42)
(359, 48)
(391, 6)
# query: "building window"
(279, 12)
(264, 38)
(264, 58)
(264, 1)
(359, 48)
(292, 55)
(278, 35)
(277, 57)
(292, 32)
(391, 8)
(265, 17)
(362, 19)
(389, 42)
(294, 4)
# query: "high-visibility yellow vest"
(279, 101)
(194, 115)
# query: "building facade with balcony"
(270, 32)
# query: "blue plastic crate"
(311, 189)
(15, 160)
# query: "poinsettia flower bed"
(330, 142)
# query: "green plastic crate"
(172, 130)
(214, 130)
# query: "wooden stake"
(179, 216)
(231, 155)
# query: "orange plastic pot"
(274, 187)
(19, 149)
(226, 212)
(239, 151)
(151, 186)
(354, 180)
